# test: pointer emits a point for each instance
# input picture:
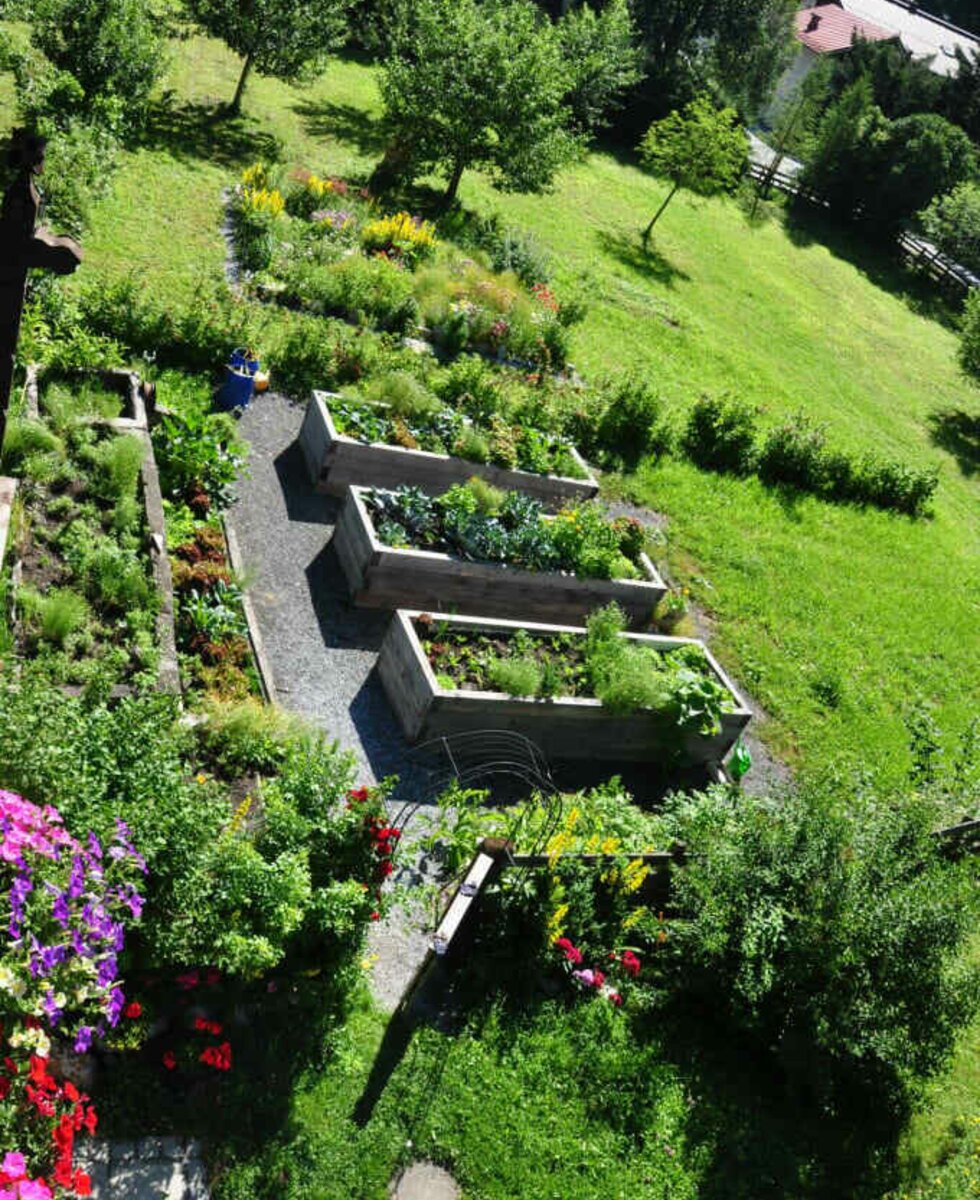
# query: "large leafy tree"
(735, 47)
(108, 55)
(478, 84)
(702, 149)
(287, 39)
(885, 171)
(602, 58)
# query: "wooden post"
(24, 244)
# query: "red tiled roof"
(827, 28)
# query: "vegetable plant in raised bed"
(89, 580)
(595, 693)
(413, 439)
(200, 455)
(492, 552)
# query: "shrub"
(826, 927)
(632, 425)
(247, 736)
(952, 221)
(65, 403)
(512, 249)
(889, 484)
(321, 354)
(720, 435)
(793, 453)
(368, 291)
(970, 336)
(403, 393)
(472, 385)
(401, 236)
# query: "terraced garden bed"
(382, 571)
(367, 453)
(444, 674)
(88, 588)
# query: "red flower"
(91, 1120)
(71, 1092)
(133, 1010)
(616, 999)
(190, 979)
(385, 869)
(376, 916)
(81, 1184)
(211, 976)
(631, 964)
(358, 795)
(598, 979)
(218, 1057)
(4, 1087)
(205, 1026)
(572, 953)
(169, 1060)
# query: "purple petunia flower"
(83, 1039)
(117, 1002)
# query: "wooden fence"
(919, 254)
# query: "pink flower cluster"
(24, 826)
(591, 978)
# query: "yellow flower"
(200, 777)
(555, 922)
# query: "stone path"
(153, 1168)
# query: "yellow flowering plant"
(400, 236)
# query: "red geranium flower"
(572, 953)
(631, 964)
(616, 999)
(133, 1010)
(169, 1060)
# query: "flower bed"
(701, 717)
(91, 593)
(346, 443)
(531, 550)
(320, 244)
(200, 456)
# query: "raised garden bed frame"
(381, 576)
(335, 461)
(564, 727)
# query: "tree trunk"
(656, 215)
(454, 179)
(236, 104)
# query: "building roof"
(923, 35)
(827, 28)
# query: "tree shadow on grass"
(761, 1138)
(877, 260)
(647, 262)
(958, 433)
(204, 131)
(344, 122)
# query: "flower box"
(335, 461)
(381, 576)
(563, 727)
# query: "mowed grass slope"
(835, 619)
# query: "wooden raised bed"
(335, 461)
(564, 727)
(380, 576)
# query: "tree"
(702, 149)
(478, 83)
(735, 48)
(602, 59)
(961, 95)
(107, 55)
(286, 39)
(952, 221)
(843, 162)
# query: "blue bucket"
(236, 391)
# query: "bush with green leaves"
(720, 434)
(197, 451)
(367, 291)
(970, 337)
(952, 221)
(632, 425)
(277, 881)
(827, 928)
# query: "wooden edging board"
(563, 727)
(381, 576)
(335, 461)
